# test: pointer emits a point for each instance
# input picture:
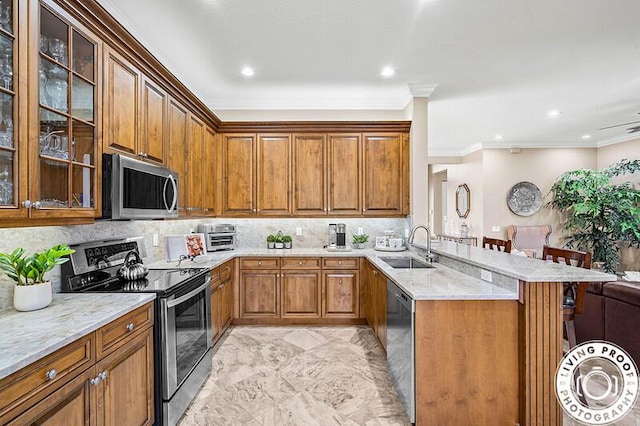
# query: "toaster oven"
(220, 236)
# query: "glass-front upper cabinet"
(9, 177)
(67, 94)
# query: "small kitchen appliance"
(333, 237)
(341, 235)
(219, 236)
(182, 333)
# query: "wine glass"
(6, 70)
(57, 89)
(57, 49)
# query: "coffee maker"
(337, 235)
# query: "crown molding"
(618, 139)
(314, 126)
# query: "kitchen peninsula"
(485, 352)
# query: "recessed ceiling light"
(387, 72)
(499, 137)
(553, 113)
(247, 72)
(586, 136)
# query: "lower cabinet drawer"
(109, 337)
(340, 263)
(300, 263)
(45, 376)
(259, 263)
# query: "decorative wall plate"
(524, 199)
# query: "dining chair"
(574, 293)
(496, 244)
(529, 239)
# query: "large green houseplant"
(598, 215)
(32, 290)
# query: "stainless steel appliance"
(133, 189)
(219, 236)
(333, 235)
(400, 346)
(341, 235)
(182, 333)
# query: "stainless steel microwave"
(133, 189)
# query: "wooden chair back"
(496, 244)
(580, 259)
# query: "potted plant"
(599, 216)
(279, 240)
(271, 241)
(32, 290)
(287, 241)
(359, 240)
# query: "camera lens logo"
(597, 383)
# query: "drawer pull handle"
(340, 282)
(375, 272)
(103, 376)
(95, 381)
(259, 263)
(99, 378)
(300, 263)
(339, 262)
(131, 326)
(51, 374)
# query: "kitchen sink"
(405, 263)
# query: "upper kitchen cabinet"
(177, 146)
(274, 175)
(309, 174)
(195, 167)
(238, 171)
(385, 174)
(344, 175)
(63, 170)
(136, 116)
(210, 173)
(13, 149)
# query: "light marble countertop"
(439, 283)
(520, 267)
(26, 337)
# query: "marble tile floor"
(306, 376)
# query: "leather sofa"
(612, 313)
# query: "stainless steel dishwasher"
(400, 346)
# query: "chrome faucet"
(429, 256)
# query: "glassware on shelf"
(6, 71)
(44, 45)
(6, 187)
(58, 49)
(57, 90)
(6, 16)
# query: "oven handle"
(179, 300)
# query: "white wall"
(470, 171)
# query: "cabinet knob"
(141, 154)
(340, 282)
(103, 375)
(95, 381)
(51, 374)
(300, 263)
(37, 205)
(131, 326)
(259, 263)
(375, 272)
(27, 204)
(339, 262)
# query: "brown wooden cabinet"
(273, 173)
(374, 301)
(341, 294)
(195, 167)
(221, 299)
(104, 378)
(154, 122)
(259, 288)
(177, 161)
(125, 391)
(309, 174)
(344, 174)
(384, 173)
(301, 293)
(210, 173)
(238, 171)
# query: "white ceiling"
(499, 65)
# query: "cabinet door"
(154, 122)
(238, 168)
(125, 395)
(72, 404)
(195, 146)
(178, 147)
(226, 304)
(121, 102)
(274, 175)
(259, 294)
(63, 102)
(380, 289)
(216, 302)
(341, 292)
(383, 189)
(344, 174)
(309, 176)
(209, 175)
(301, 294)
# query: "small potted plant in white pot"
(359, 240)
(288, 241)
(279, 240)
(271, 241)
(32, 290)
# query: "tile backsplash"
(251, 233)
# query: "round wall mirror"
(463, 201)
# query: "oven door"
(186, 334)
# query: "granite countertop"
(26, 337)
(437, 283)
(520, 267)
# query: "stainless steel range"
(182, 334)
